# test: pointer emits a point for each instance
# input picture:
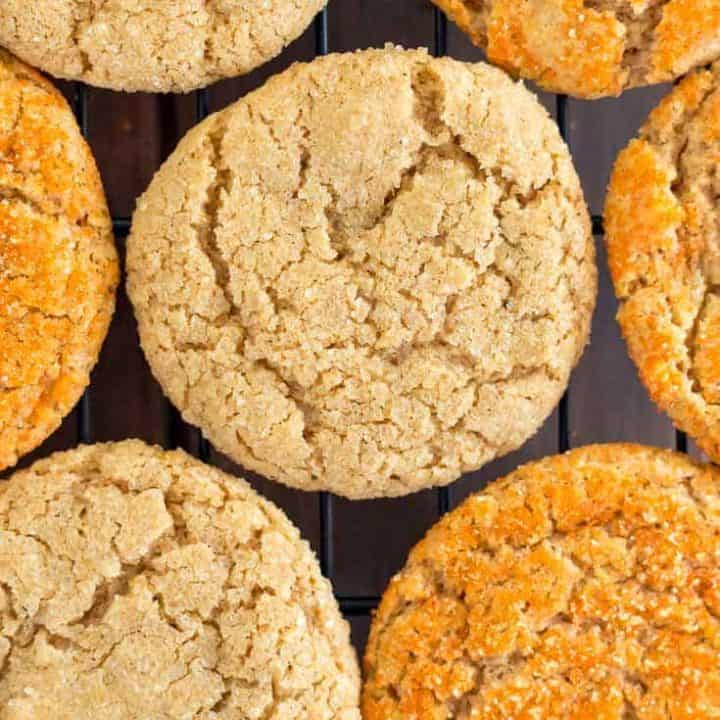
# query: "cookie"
(371, 275)
(592, 48)
(149, 45)
(58, 266)
(581, 586)
(664, 253)
(137, 583)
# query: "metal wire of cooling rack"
(84, 430)
(350, 605)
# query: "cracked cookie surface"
(58, 266)
(371, 275)
(151, 45)
(137, 583)
(592, 48)
(581, 586)
(663, 238)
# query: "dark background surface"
(362, 543)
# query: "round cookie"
(137, 583)
(663, 242)
(592, 48)
(581, 586)
(58, 266)
(371, 275)
(151, 45)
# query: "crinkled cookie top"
(137, 583)
(371, 275)
(151, 45)
(58, 266)
(592, 48)
(580, 587)
(663, 235)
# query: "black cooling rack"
(351, 605)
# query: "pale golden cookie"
(137, 584)
(663, 236)
(580, 587)
(58, 266)
(592, 48)
(371, 275)
(151, 45)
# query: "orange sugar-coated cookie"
(592, 48)
(663, 238)
(58, 266)
(580, 587)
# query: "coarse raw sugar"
(58, 265)
(664, 253)
(137, 583)
(151, 45)
(581, 586)
(371, 275)
(592, 48)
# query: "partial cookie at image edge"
(589, 51)
(146, 583)
(580, 585)
(152, 47)
(663, 254)
(58, 263)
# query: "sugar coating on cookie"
(137, 583)
(58, 266)
(663, 243)
(592, 48)
(369, 276)
(151, 45)
(581, 586)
